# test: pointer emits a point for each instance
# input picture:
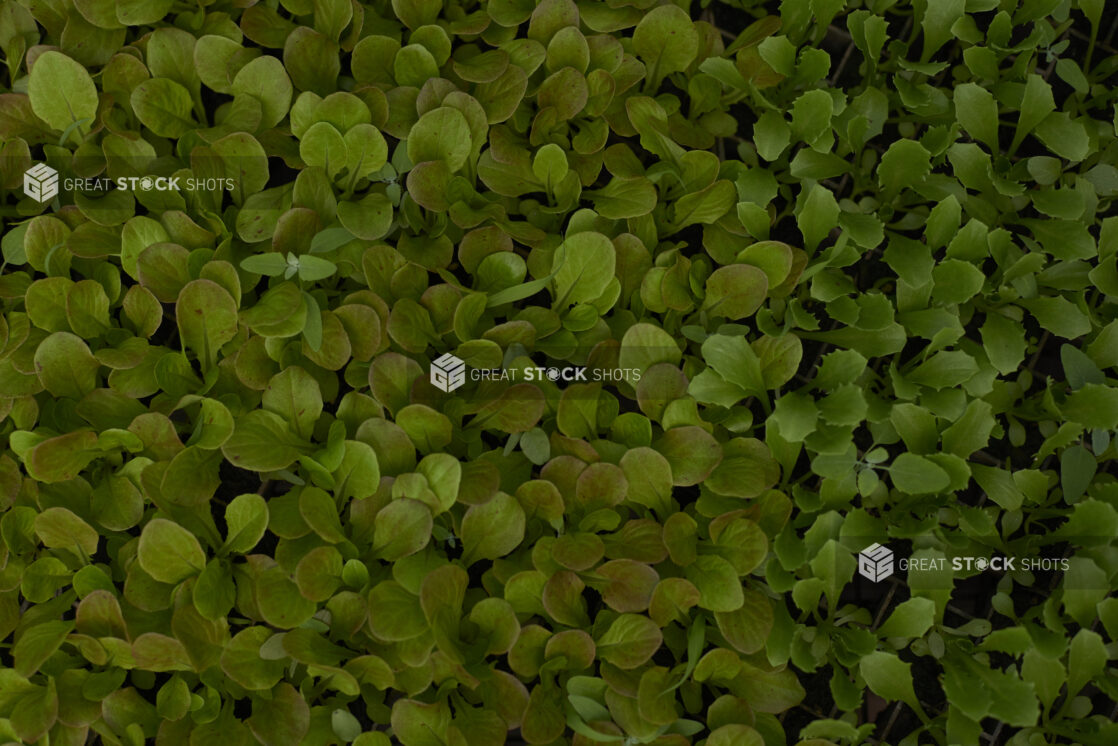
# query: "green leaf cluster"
(833, 274)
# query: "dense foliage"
(837, 272)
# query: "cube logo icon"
(40, 182)
(875, 562)
(448, 373)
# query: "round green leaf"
(246, 518)
(266, 80)
(492, 529)
(666, 40)
(65, 366)
(736, 291)
(403, 527)
(61, 91)
(630, 641)
(917, 475)
(164, 107)
(366, 151)
(60, 528)
(168, 552)
(441, 134)
(207, 319)
(583, 268)
(322, 145)
(281, 603)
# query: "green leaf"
(817, 216)
(736, 291)
(624, 197)
(241, 660)
(443, 473)
(65, 366)
(61, 91)
(957, 281)
(666, 41)
(1004, 342)
(811, 119)
(207, 318)
(60, 528)
(214, 591)
(550, 165)
(492, 529)
(971, 431)
(1045, 674)
(322, 145)
(736, 362)
(141, 12)
(173, 700)
(906, 162)
(369, 218)
(312, 328)
(420, 724)
(413, 65)
(265, 80)
(320, 511)
(281, 720)
(168, 552)
(911, 618)
(999, 694)
(87, 309)
(771, 135)
(780, 53)
(403, 527)
(917, 475)
(977, 112)
(1093, 405)
(61, 458)
(1077, 468)
(400, 616)
(294, 395)
(263, 441)
(366, 152)
(945, 369)
(889, 677)
(345, 725)
(705, 206)
(999, 485)
(442, 134)
(326, 241)
(630, 641)
(584, 268)
(1036, 105)
(1064, 136)
(281, 604)
(164, 107)
(735, 734)
(649, 475)
(718, 583)
(692, 452)
(246, 518)
(1086, 660)
(644, 345)
(650, 121)
(37, 643)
